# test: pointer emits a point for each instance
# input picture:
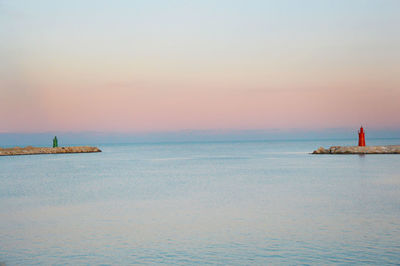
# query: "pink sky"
(245, 71)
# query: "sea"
(204, 203)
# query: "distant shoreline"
(29, 150)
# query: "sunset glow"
(129, 66)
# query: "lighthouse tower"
(361, 137)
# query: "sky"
(150, 66)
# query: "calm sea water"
(201, 203)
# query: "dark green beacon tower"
(55, 142)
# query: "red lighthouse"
(361, 137)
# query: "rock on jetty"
(389, 149)
(44, 150)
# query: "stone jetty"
(46, 150)
(389, 149)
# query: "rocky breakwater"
(389, 149)
(45, 150)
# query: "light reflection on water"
(218, 203)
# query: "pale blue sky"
(223, 64)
